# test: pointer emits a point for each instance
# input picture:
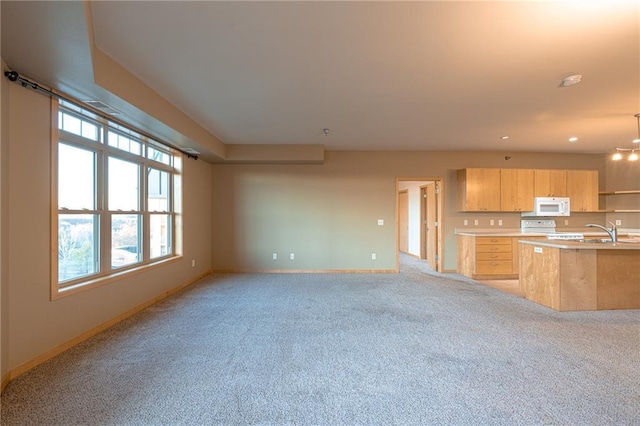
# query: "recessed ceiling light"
(573, 139)
(505, 137)
(570, 80)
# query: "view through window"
(115, 206)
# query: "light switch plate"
(380, 222)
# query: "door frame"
(399, 221)
(439, 218)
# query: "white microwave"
(549, 206)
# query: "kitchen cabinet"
(582, 189)
(485, 257)
(550, 183)
(513, 190)
(572, 276)
(516, 190)
(479, 190)
(490, 257)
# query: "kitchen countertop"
(622, 244)
(517, 232)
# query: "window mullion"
(144, 207)
(105, 217)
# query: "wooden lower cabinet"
(576, 279)
(485, 257)
(489, 257)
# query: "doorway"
(419, 220)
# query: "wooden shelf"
(635, 191)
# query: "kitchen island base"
(569, 277)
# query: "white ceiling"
(431, 75)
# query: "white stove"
(568, 236)
(538, 226)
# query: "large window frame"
(99, 234)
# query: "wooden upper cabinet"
(550, 183)
(479, 190)
(516, 190)
(582, 190)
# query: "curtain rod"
(15, 77)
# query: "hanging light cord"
(15, 77)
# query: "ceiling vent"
(102, 107)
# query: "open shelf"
(634, 191)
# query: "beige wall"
(327, 214)
(32, 323)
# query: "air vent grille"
(103, 107)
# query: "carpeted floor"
(412, 348)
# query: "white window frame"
(106, 272)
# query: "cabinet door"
(516, 190)
(550, 183)
(582, 190)
(479, 190)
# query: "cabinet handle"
(494, 264)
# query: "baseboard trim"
(304, 271)
(28, 365)
(5, 382)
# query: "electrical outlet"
(380, 222)
(492, 222)
(275, 256)
(373, 256)
(475, 222)
(292, 256)
(618, 222)
(466, 222)
(566, 222)
(193, 263)
(499, 222)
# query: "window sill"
(58, 293)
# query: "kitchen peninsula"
(580, 276)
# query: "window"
(115, 199)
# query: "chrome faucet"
(613, 232)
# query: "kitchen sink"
(607, 240)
